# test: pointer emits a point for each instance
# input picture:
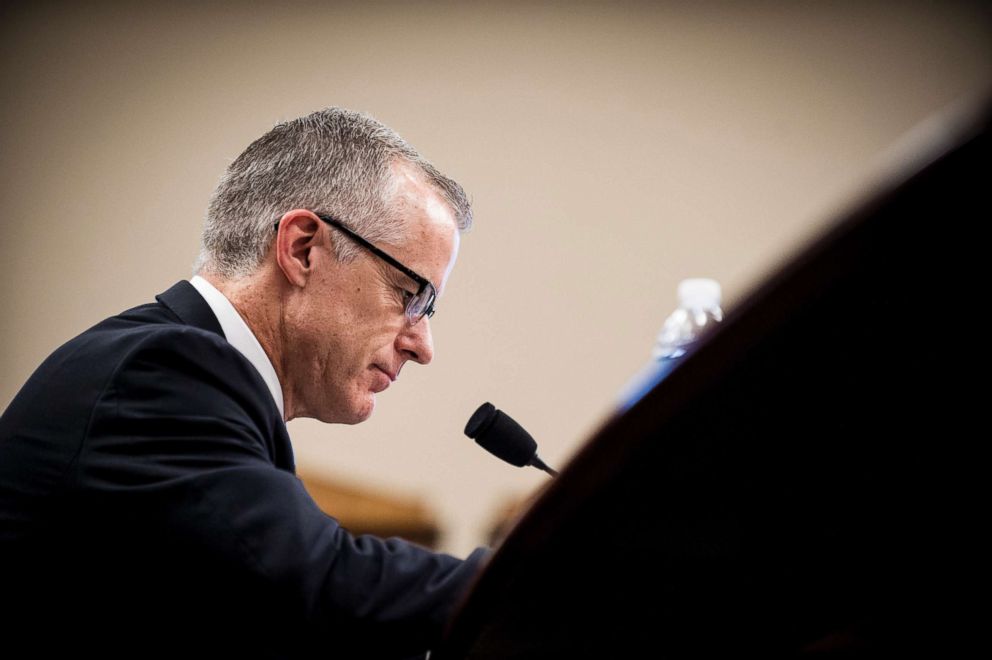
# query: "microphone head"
(497, 433)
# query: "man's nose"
(416, 342)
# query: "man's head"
(328, 310)
(334, 160)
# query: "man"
(148, 502)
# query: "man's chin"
(354, 412)
(361, 412)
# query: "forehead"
(431, 239)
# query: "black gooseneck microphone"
(497, 433)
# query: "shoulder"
(187, 392)
(181, 365)
(146, 340)
(135, 385)
(176, 347)
(144, 358)
(78, 373)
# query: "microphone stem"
(538, 463)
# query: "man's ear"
(298, 233)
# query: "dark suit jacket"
(149, 506)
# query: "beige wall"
(610, 150)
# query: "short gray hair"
(333, 161)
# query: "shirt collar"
(240, 336)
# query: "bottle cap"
(699, 293)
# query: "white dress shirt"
(240, 336)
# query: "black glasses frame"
(422, 282)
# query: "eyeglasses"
(418, 305)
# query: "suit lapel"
(183, 300)
(186, 302)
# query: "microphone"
(497, 433)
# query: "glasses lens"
(421, 304)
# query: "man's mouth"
(392, 375)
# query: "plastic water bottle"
(699, 309)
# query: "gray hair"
(333, 161)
